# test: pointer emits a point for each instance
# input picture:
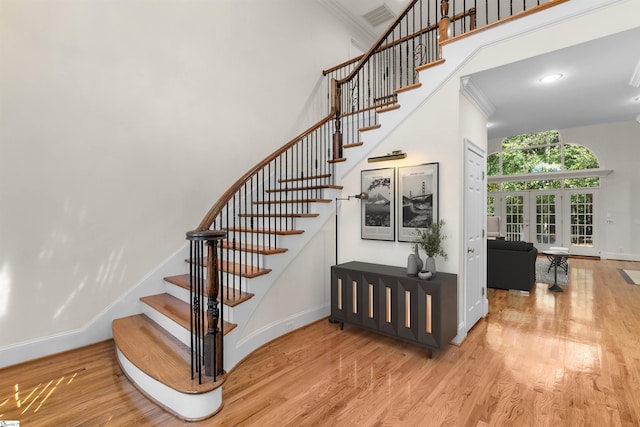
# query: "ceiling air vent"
(378, 15)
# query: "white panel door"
(515, 216)
(475, 224)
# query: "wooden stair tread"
(281, 215)
(237, 269)
(338, 160)
(368, 128)
(353, 144)
(308, 187)
(232, 297)
(306, 178)
(389, 108)
(278, 232)
(179, 311)
(275, 202)
(253, 248)
(159, 354)
(409, 87)
(429, 64)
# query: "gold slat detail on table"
(388, 305)
(428, 311)
(407, 309)
(354, 288)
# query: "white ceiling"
(595, 87)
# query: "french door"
(549, 218)
(581, 233)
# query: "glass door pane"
(515, 218)
(547, 220)
(581, 219)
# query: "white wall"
(617, 147)
(121, 123)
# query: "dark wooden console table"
(384, 299)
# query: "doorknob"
(470, 250)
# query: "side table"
(558, 258)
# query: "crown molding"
(474, 94)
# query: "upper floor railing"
(370, 83)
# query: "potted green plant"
(430, 240)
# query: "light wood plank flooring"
(543, 359)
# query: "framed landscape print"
(378, 210)
(417, 199)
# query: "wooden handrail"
(207, 221)
(377, 44)
(385, 47)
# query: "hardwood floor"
(543, 359)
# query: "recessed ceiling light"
(551, 78)
(637, 99)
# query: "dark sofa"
(511, 265)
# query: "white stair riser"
(183, 295)
(188, 406)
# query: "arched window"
(523, 156)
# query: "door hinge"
(483, 291)
(483, 175)
(483, 233)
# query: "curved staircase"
(268, 216)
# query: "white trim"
(583, 173)
(462, 334)
(619, 256)
(99, 328)
(476, 96)
(190, 407)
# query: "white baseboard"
(99, 328)
(462, 334)
(620, 256)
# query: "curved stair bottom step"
(189, 407)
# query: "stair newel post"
(206, 342)
(212, 343)
(337, 107)
(445, 20)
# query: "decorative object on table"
(412, 265)
(378, 210)
(417, 199)
(430, 240)
(418, 259)
(425, 275)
